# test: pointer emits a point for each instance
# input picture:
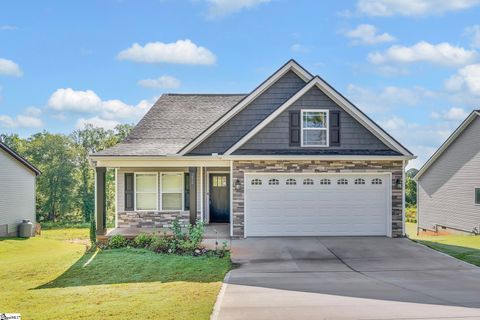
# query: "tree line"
(65, 189)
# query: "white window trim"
(135, 190)
(327, 129)
(475, 196)
(161, 191)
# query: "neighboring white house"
(449, 182)
(17, 191)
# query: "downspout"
(403, 196)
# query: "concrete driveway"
(346, 278)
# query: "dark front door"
(219, 197)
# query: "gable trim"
(291, 65)
(473, 115)
(339, 100)
(19, 158)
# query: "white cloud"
(393, 123)
(164, 81)
(385, 8)
(222, 8)
(103, 113)
(180, 52)
(474, 33)
(467, 79)
(28, 119)
(10, 68)
(442, 54)
(67, 99)
(299, 48)
(452, 114)
(368, 34)
(96, 122)
(7, 27)
(382, 100)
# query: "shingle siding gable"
(251, 116)
(275, 136)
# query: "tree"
(14, 142)
(411, 188)
(52, 154)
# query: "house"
(448, 184)
(292, 158)
(17, 191)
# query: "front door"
(219, 197)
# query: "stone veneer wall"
(152, 219)
(315, 166)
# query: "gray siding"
(17, 194)
(252, 115)
(275, 135)
(446, 189)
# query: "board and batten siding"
(353, 135)
(251, 115)
(17, 194)
(446, 189)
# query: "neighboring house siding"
(316, 166)
(17, 194)
(353, 135)
(150, 219)
(251, 115)
(446, 189)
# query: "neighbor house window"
(314, 128)
(172, 191)
(477, 195)
(146, 191)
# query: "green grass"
(70, 234)
(51, 277)
(463, 247)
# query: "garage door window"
(273, 182)
(342, 181)
(359, 181)
(256, 182)
(308, 181)
(314, 128)
(377, 181)
(325, 181)
(291, 182)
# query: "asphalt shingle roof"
(172, 122)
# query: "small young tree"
(93, 230)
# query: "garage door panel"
(316, 210)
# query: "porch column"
(100, 200)
(192, 172)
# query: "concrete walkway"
(346, 278)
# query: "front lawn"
(46, 278)
(463, 247)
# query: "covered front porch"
(149, 198)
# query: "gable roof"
(472, 116)
(169, 125)
(342, 102)
(291, 65)
(19, 158)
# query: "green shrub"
(160, 244)
(117, 241)
(411, 214)
(93, 231)
(143, 240)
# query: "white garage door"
(316, 204)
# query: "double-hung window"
(314, 128)
(146, 191)
(172, 191)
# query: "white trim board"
(291, 65)
(473, 115)
(340, 101)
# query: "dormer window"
(314, 128)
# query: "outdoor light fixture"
(398, 183)
(238, 185)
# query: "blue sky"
(413, 66)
